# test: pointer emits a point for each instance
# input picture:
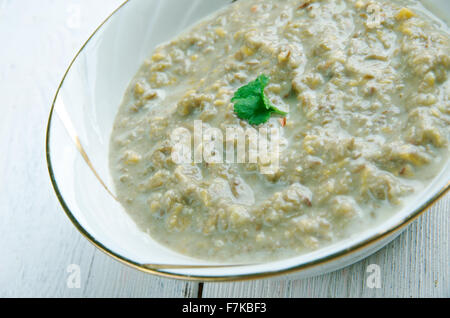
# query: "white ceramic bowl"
(84, 110)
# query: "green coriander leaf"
(252, 110)
(255, 88)
(245, 108)
(251, 104)
(266, 102)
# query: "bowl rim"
(241, 277)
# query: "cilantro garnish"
(251, 104)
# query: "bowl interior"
(86, 105)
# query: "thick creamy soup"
(362, 91)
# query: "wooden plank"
(37, 240)
(414, 265)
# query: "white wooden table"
(38, 242)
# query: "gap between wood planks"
(200, 290)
